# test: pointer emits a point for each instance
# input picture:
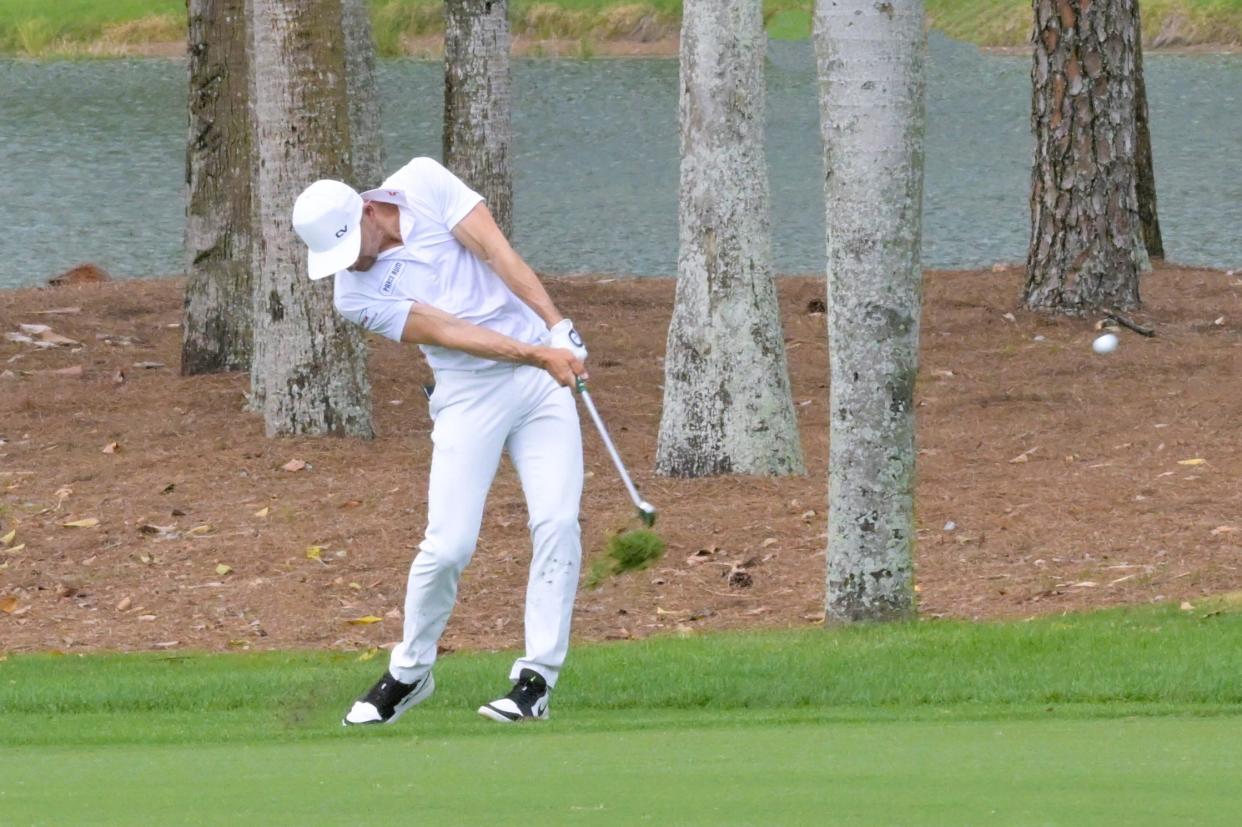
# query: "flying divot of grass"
(627, 551)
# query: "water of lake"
(92, 163)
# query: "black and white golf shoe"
(388, 700)
(527, 701)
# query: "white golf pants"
(477, 414)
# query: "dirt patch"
(1050, 478)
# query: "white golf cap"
(327, 216)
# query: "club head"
(647, 513)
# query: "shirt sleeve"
(445, 195)
(386, 317)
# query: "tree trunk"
(365, 115)
(219, 166)
(727, 406)
(1086, 248)
(309, 369)
(478, 129)
(1145, 183)
(871, 59)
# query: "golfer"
(421, 260)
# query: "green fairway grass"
(1124, 716)
(1139, 772)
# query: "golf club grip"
(612, 449)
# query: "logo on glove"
(575, 338)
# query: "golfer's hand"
(564, 336)
(563, 365)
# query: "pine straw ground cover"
(1050, 478)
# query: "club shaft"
(612, 449)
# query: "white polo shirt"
(434, 268)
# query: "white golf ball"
(1105, 344)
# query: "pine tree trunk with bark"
(216, 328)
(309, 369)
(365, 114)
(871, 61)
(727, 405)
(1145, 184)
(478, 129)
(1086, 249)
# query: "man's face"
(372, 236)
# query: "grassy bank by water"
(1166, 23)
(36, 28)
(945, 723)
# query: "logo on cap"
(342, 231)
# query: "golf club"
(646, 511)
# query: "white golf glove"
(563, 336)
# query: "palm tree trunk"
(478, 130)
(309, 369)
(219, 167)
(727, 405)
(871, 59)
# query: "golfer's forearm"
(522, 280)
(479, 233)
(427, 326)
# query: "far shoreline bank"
(431, 47)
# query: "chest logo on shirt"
(390, 280)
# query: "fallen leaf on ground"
(76, 370)
(365, 620)
(8, 538)
(88, 522)
(199, 529)
(15, 548)
(1224, 529)
(1195, 461)
(314, 553)
(351, 504)
(294, 465)
(8, 604)
(160, 530)
(56, 339)
(111, 448)
(223, 569)
(262, 512)
(124, 604)
(370, 653)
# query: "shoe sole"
(413, 699)
(499, 717)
